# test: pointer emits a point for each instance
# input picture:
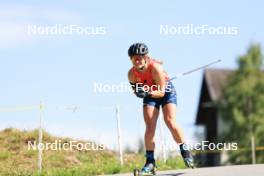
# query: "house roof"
(216, 79)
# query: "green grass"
(17, 160)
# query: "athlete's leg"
(151, 114)
(169, 114)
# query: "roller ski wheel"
(137, 172)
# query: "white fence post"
(40, 139)
(119, 136)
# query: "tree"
(242, 107)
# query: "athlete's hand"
(141, 93)
(139, 90)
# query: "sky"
(60, 70)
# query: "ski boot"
(187, 157)
(148, 170)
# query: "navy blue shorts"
(169, 97)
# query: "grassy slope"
(16, 159)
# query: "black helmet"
(137, 49)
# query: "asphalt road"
(238, 170)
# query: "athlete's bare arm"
(131, 77)
(159, 79)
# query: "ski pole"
(194, 70)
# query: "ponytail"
(149, 59)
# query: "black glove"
(141, 93)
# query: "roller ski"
(187, 156)
(148, 170)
